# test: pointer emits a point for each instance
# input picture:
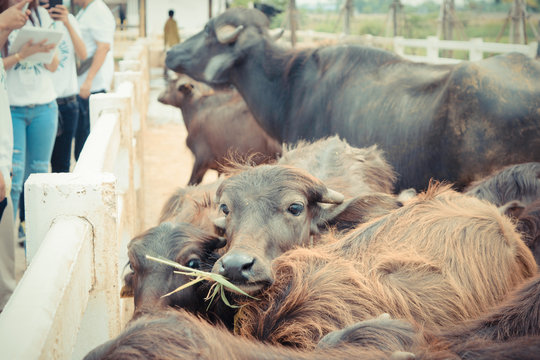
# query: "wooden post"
(348, 15)
(209, 9)
(292, 21)
(142, 18)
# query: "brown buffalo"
(440, 259)
(148, 281)
(270, 209)
(172, 335)
(193, 204)
(219, 126)
(350, 170)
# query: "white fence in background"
(79, 223)
(432, 46)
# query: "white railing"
(432, 46)
(475, 47)
(78, 226)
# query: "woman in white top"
(10, 18)
(32, 100)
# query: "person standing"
(32, 100)
(97, 25)
(11, 18)
(66, 85)
(171, 37)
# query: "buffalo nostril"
(236, 266)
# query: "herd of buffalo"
(369, 207)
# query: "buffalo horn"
(220, 222)
(332, 197)
(228, 34)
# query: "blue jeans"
(68, 115)
(83, 125)
(34, 131)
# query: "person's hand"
(84, 92)
(60, 13)
(30, 48)
(14, 18)
(2, 187)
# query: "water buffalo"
(440, 259)
(449, 122)
(149, 280)
(511, 188)
(219, 125)
(269, 209)
(192, 204)
(172, 335)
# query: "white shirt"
(6, 130)
(65, 77)
(97, 24)
(30, 83)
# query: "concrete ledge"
(45, 310)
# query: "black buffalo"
(450, 122)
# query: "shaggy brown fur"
(176, 335)
(518, 315)
(192, 204)
(510, 330)
(442, 258)
(336, 163)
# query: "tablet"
(36, 34)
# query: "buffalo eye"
(296, 208)
(194, 264)
(224, 208)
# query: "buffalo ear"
(512, 209)
(185, 89)
(127, 288)
(217, 242)
(354, 211)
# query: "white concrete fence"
(78, 226)
(432, 46)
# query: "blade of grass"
(226, 301)
(211, 298)
(186, 285)
(208, 276)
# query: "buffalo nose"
(236, 266)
